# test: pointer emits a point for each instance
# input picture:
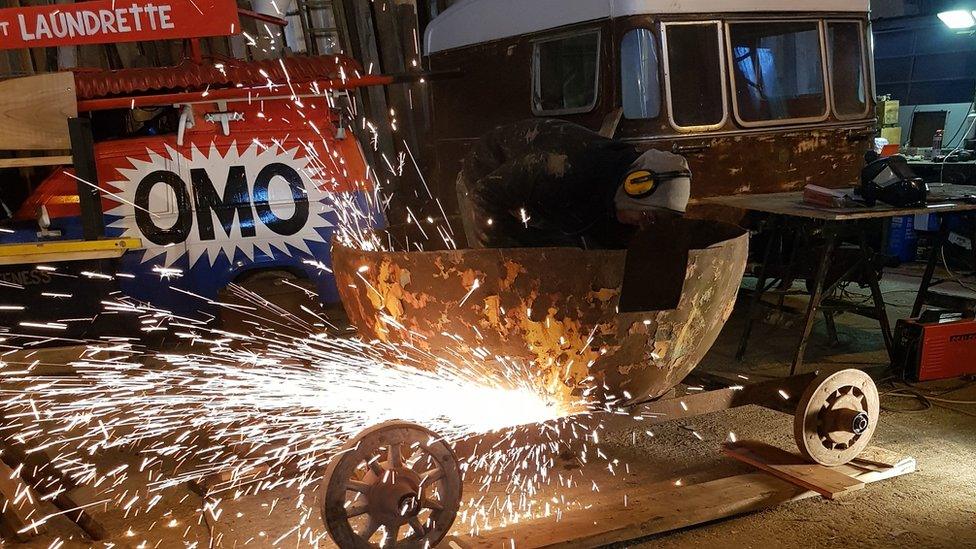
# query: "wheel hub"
(393, 497)
(844, 417)
(861, 423)
(409, 505)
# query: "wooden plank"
(34, 111)
(31, 161)
(48, 361)
(656, 509)
(18, 504)
(792, 468)
(362, 37)
(38, 469)
(610, 123)
(877, 458)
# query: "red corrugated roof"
(190, 76)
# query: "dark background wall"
(918, 60)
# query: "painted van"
(222, 176)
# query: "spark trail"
(249, 414)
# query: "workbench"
(789, 217)
(959, 173)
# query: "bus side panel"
(769, 162)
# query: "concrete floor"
(934, 507)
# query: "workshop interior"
(487, 273)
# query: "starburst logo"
(205, 202)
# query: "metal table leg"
(831, 328)
(788, 277)
(815, 299)
(754, 302)
(937, 246)
(880, 308)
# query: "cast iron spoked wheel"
(395, 485)
(836, 417)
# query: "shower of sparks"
(268, 411)
(247, 413)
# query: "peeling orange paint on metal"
(559, 323)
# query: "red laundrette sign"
(104, 21)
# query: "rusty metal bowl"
(555, 307)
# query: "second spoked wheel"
(395, 485)
(836, 417)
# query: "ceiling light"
(958, 19)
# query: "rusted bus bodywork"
(495, 86)
(554, 309)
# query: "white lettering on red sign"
(107, 21)
(62, 24)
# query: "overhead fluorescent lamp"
(958, 19)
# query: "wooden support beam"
(18, 507)
(83, 154)
(37, 470)
(362, 38)
(32, 161)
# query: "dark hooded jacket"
(544, 183)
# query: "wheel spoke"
(432, 504)
(432, 476)
(392, 535)
(394, 456)
(371, 527)
(356, 510)
(357, 486)
(418, 528)
(376, 468)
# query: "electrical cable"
(906, 393)
(955, 278)
(927, 399)
(962, 142)
(963, 124)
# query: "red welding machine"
(937, 350)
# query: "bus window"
(845, 57)
(695, 74)
(566, 74)
(778, 72)
(639, 75)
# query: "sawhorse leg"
(831, 328)
(923, 289)
(754, 301)
(815, 299)
(880, 308)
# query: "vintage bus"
(760, 95)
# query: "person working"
(551, 183)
